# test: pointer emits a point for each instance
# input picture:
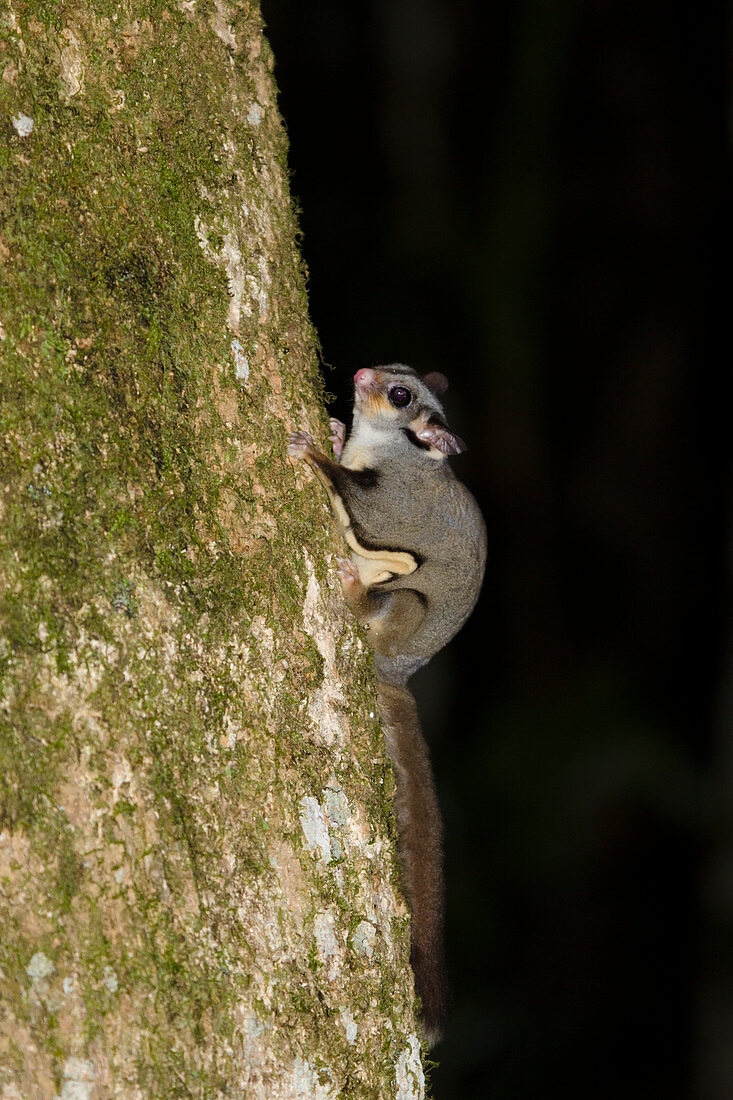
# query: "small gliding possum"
(418, 550)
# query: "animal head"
(396, 398)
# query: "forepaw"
(337, 436)
(348, 575)
(300, 445)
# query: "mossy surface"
(179, 687)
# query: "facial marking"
(375, 403)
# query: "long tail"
(421, 851)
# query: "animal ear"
(436, 382)
(440, 437)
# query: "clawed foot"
(349, 577)
(337, 436)
(300, 445)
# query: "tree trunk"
(198, 891)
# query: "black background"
(533, 197)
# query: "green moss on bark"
(176, 673)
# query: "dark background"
(533, 197)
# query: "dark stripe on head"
(435, 418)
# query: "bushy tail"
(421, 851)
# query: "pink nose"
(364, 376)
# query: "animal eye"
(400, 397)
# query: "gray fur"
(418, 545)
(419, 505)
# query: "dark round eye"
(400, 397)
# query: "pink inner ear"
(441, 438)
(436, 382)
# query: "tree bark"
(198, 891)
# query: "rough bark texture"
(198, 891)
